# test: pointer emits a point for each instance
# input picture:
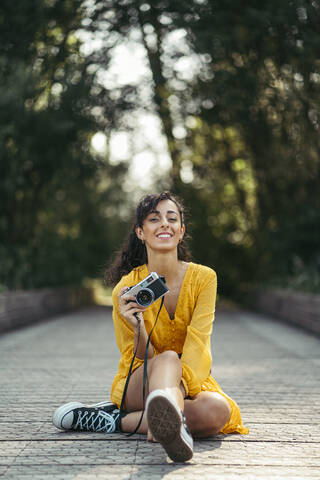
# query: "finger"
(126, 306)
(133, 317)
(133, 313)
(124, 300)
(132, 304)
(122, 291)
(137, 306)
(129, 298)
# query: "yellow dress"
(188, 334)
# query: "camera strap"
(145, 371)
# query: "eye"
(172, 219)
(153, 219)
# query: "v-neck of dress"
(180, 291)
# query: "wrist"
(138, 325)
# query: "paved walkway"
(271, 369)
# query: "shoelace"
(97, 421)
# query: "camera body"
(148, 290)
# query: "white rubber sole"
(63, 413)
(166, 425)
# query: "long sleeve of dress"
(196, 355)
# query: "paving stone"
(269, 368)
(172, 471)
(74, 472)
(241, 453)
(11, 448)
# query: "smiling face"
(162, 229)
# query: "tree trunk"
(161, 91)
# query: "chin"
(166, 248)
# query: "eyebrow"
(158, 213)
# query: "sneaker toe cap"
(67, 420)
(63, 417)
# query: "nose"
(164, 221)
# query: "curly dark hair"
(133, 252)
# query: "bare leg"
(131, 420)
(206, 413)
(164, 372)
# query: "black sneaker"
(168, 426)
(100, 417)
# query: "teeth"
(164, 236)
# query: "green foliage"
(264, 178)
(55, 226)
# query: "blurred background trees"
(54, 189)
(236, 89)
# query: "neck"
(166, 264)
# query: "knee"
(169, 357)
(213, 413)
(219, 413)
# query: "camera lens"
(145, 297)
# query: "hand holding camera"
(128, 308)
(134, 300)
